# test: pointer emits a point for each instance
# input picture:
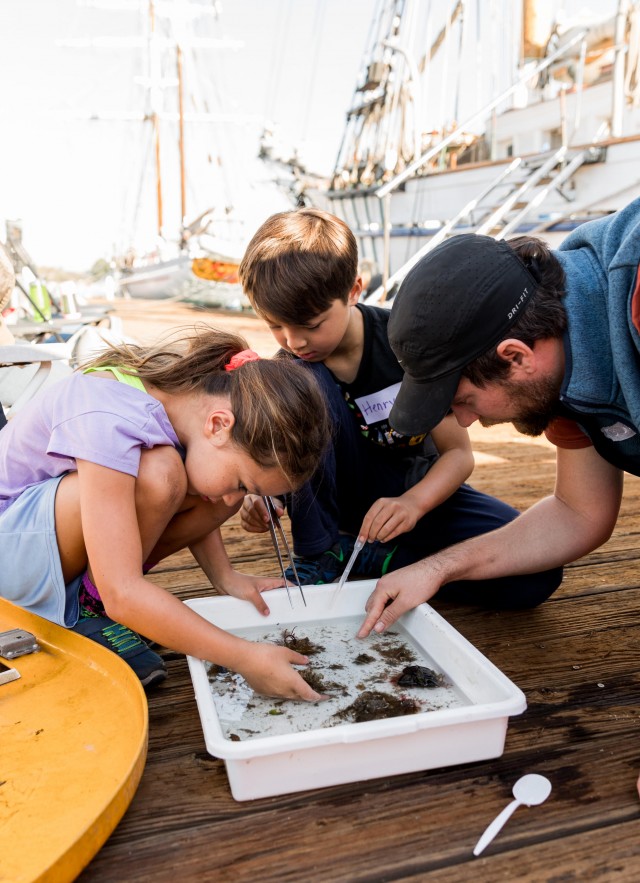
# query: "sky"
(78, 184)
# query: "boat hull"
(156, 281)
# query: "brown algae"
(375, 705)
(300, 645)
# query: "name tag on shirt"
(377, 405)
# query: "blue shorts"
(31, 570)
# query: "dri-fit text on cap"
(523, 297)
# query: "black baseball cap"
(453, 306)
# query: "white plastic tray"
(350, 752)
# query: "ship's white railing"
(378, 295)
(541, 195)
(384, 192)
(484, 112)
(506, 206)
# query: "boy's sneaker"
(317, 570)
(127, 644)
(374, 560)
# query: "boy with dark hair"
(404, 494)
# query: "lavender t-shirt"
(85, 417)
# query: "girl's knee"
(162, 480)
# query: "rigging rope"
(316, 37)
(275, 74)
(632, 77)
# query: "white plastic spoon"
(531, 790)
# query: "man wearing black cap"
(547, 340)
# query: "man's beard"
(535, 405)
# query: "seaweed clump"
(216, 672)
(374, 705)
(363, 659)
(300, 645)
(395, 652)
(316, 681)
(420, 676)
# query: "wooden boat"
(73, 731)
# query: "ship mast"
(155, 115)
(183, 188)
(154, 63)
(537, 22)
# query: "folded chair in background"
(24, 370)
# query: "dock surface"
(576, 657)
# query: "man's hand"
(398, 592)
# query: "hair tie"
(241, 359)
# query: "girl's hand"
(248, 588)
(253, 514)
(267, 668)
(389, 517)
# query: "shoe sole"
(153, 679)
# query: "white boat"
(548, 141)
(155, 279)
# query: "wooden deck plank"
(184, 824)
(386, 829)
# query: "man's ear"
(521, 357)
(356, 291)
(218, 425)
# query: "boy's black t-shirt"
(374, 389)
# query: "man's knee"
(518, 592)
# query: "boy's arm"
(391, 516)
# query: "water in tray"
(350, 670)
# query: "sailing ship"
(550, 138)
(199, 258)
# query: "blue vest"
(601, 386)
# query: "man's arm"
(579, 517)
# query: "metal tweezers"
(274, 525)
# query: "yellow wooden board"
(73, 743)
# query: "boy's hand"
(248, 588)
(389, 517)
(267, 668)
(253, 514)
